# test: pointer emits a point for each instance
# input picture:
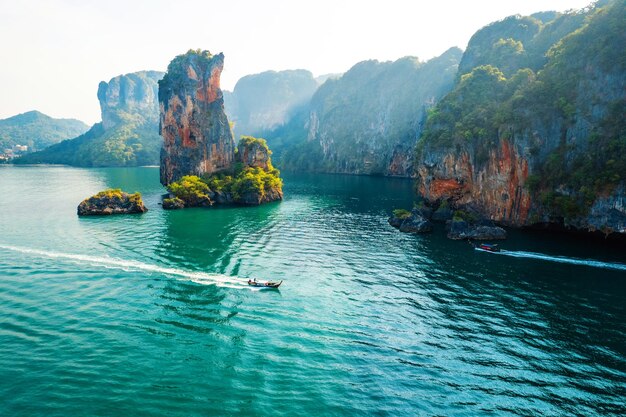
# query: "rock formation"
(197, 138)
(111, 202)
(253, 153)
(410, 222)
(459, 229)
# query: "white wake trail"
(563, 259)
(198, 277)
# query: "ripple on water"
(151, 315)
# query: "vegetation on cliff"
(368, 120)
(177, 76)
(242, 184)
(558, 108)
(191, 190)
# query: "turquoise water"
(149, 315)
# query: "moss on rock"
(111, 201)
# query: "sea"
(151, 315)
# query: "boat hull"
(265, 285)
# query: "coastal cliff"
(368, 120)
(197, 138)
(537, 141)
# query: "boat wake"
(127, 265)
(562, 259)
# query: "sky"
(53, 53)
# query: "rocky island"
(459, 224)
(200, 164)
(112, 201)
(251, 181)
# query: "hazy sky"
(55, 52)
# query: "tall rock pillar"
(197, 138)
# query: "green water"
(149, 315)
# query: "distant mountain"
(321, 79)
(264, 101)
(368, 120)
(128, 134)
(37, 131)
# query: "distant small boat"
(489, 247)
(266, 284)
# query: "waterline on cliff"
(561, 259)
(197, 277)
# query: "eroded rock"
(197, 138)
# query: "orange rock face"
(444, 188)
(401, 163)
(496, 187)
(197, 138)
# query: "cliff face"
(494, 187)
(129, 94)
(128, 133)
(537, 149)
(261, 102)
(368, 121)
(197, 138)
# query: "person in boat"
(251, 282)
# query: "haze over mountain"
(77, 44)
(264, 101)
(368, 120)
(519, 95)
(37, 130)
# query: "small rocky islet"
(460, 224)
(111, 201)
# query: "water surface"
(150, 315)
